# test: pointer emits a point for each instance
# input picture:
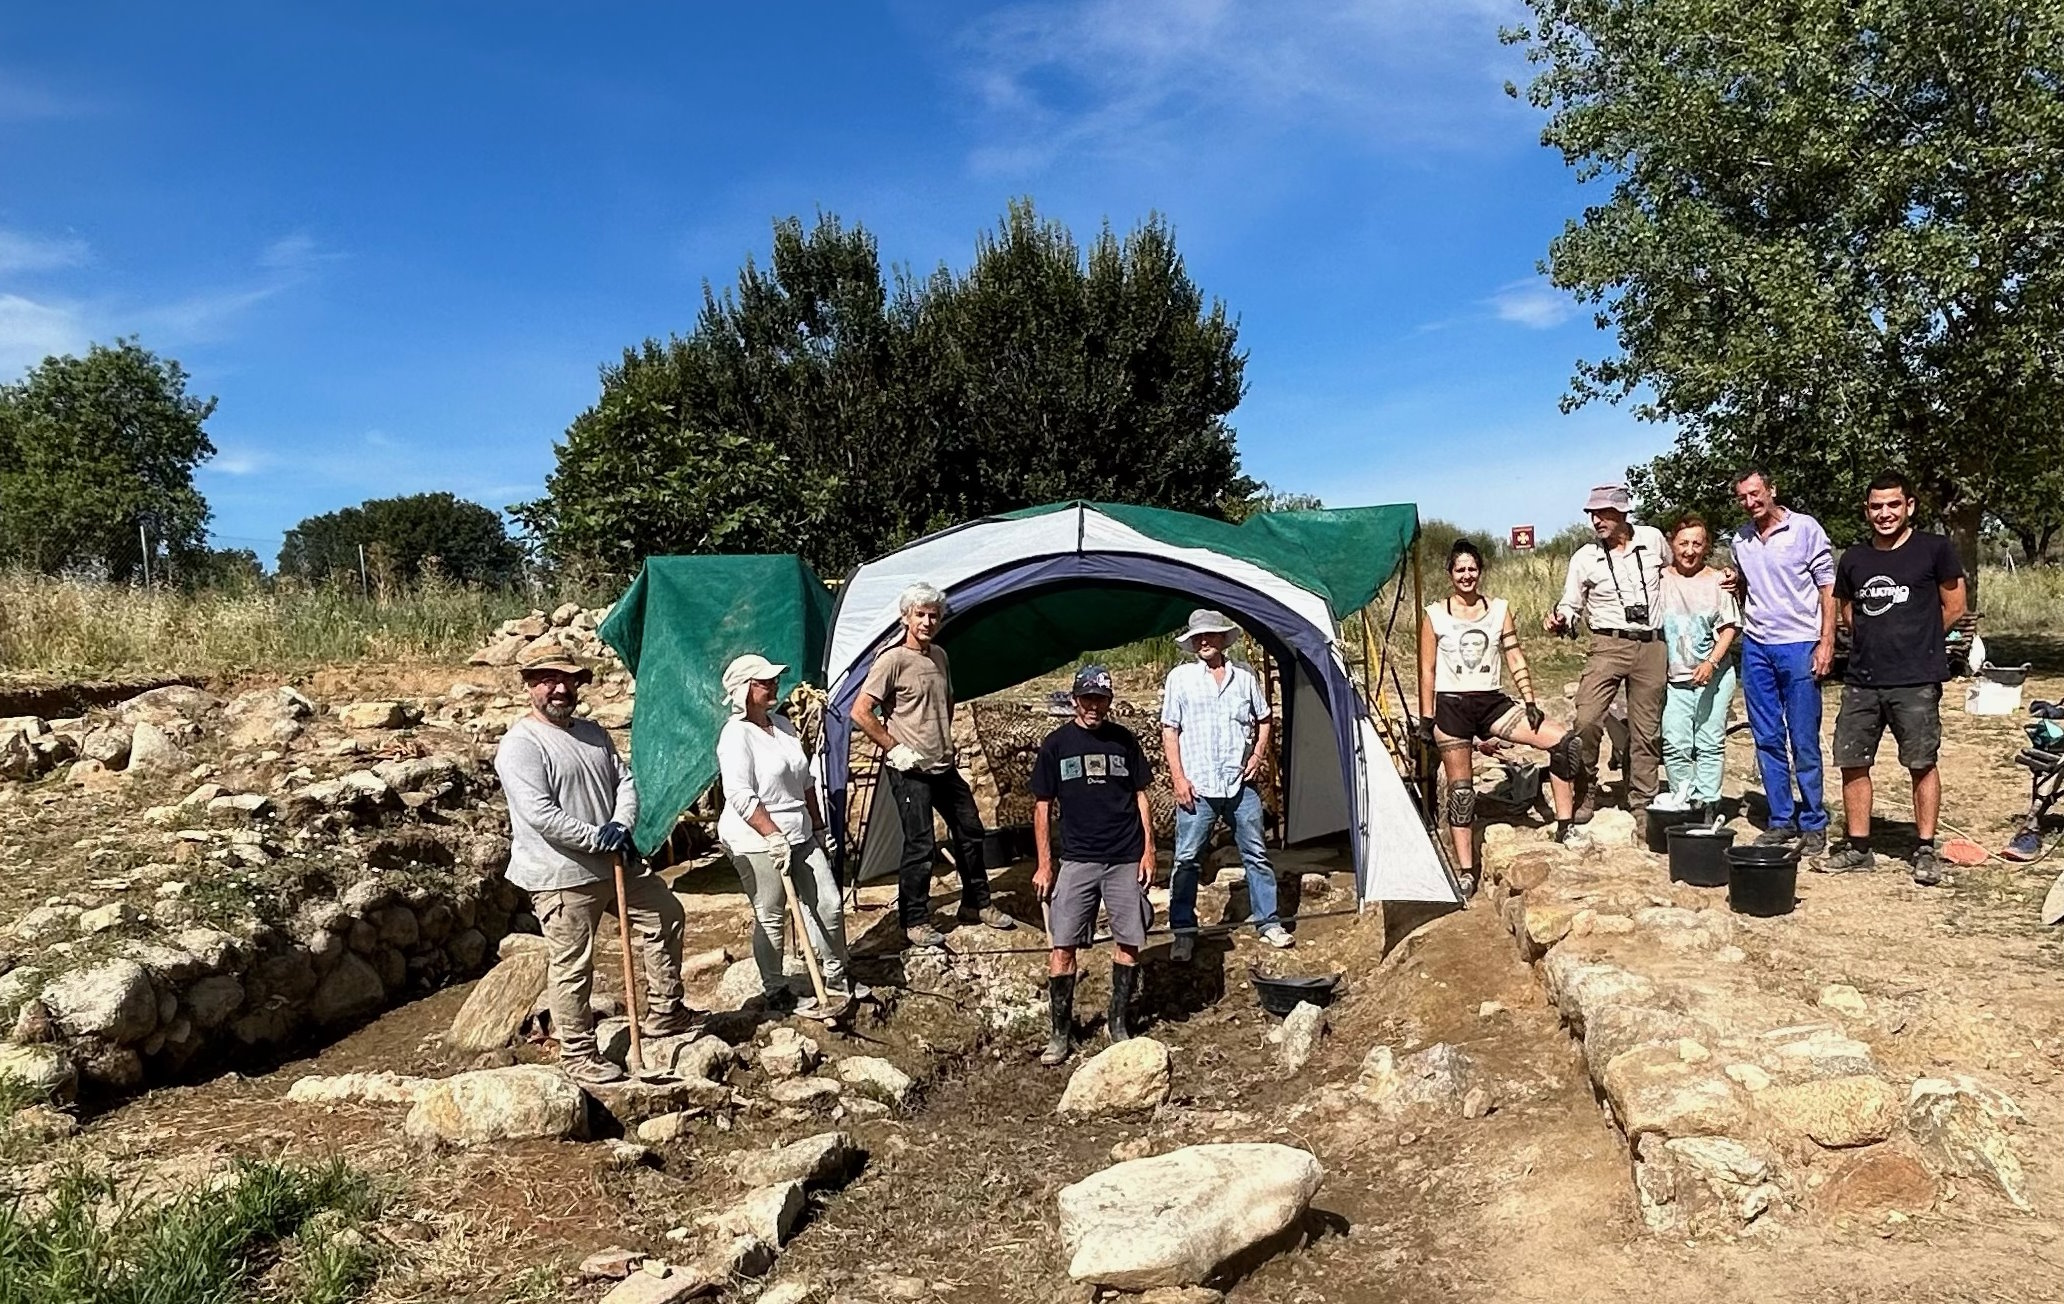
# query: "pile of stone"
(146, 735)
(569, 625)
(1738, 1101)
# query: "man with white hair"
(1215, 724)
(906, 707)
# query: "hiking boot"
(1927, 866)
(1573, 837)
(1779, 835)
(989, 916)
(925, 937)
(1465, 879)
(1183, 949)
(1587, 806)
(1812, 842)
(2026, 846)
(591, 1070)
(780, 1001)
(676, 1022)
(1851, 859)
(1278, 936)
(1123, 976)
(1060, 1008)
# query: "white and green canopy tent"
(1029, 592)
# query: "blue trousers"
(1783, 702)
(1193, 829)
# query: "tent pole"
(1423, 768)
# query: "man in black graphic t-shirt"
(1098, 773)
(1900, 593)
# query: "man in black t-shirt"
(1098, 773)
(1900, 594)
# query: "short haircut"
(1464, 548)
(920, 595)
(1687, 521)
(1753, 471)
(1890, 480)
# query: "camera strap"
(1640, 574)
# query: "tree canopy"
(1834, 242)
(403, 535)
(816, 408)
(91, 450)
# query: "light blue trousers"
(1695, 736)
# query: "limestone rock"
(495, 1009)
(632, 1101)
(769, 1213)
(373, 715)
(1652, 1089)
(171, 704)
(1857, 1110)
(381, 1088)
(665, 1285)
(111, 1000)
(1131, 1076)
(1844, 1000)
(739, 986)
(46, 924)
(1173, 1219)
(874, 1076)
(1693, 1183)
(40, 1070)
(788, 1054)
(152, 751)
(826, 1159)
(700, 964)
(513, 1104)
(705, 1057)
(1436, 1079)
(500, 651)
(213, 999)
(662, 1128)
(1302, 1029)
(1877, 1181)
(107, 745)
(1611, 828)
(612, 1264)
(351, 990)
(1964, 1123)
(807, 1092)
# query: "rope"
(1203, 930)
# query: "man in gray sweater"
(571, 807)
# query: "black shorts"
(1470, 716)
(1913, 710)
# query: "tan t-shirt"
(916, 694)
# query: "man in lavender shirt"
(1784, 573)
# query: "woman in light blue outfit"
(1700, 622)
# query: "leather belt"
(1631, 635)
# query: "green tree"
(1834, 240)
(94, 450)
(815, 409)
(466, 541)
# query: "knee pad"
(1461, 803)
(1566, 758)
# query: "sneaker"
(926, 937)
(1574, 837)
(676, 1022)
(1813, 842)
(812, 1008)
(1777, 836)
(592, 1070)
(1183, 949)
(989, 916)
(2026, 846)
(1851, 859)
(1466, 880)
(1927, 867)
(1278, 936)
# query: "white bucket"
(1995, 690)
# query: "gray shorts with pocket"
(1913, 711)
(1081, 885)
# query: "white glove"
(777, 845)
(905, 757)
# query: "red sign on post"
(1522, 539)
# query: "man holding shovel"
(571, 807)
(1098, 772)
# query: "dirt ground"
(1532, 1202)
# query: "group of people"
(1678, 635)
(572, 804)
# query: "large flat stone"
(1173, 1219)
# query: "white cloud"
(32, 331)
(238, 461)
(1533, 303)
(20, 252)
(1124, 77)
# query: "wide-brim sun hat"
(1204, 620)
(749, 669)
(547, 656)
(1609, 497)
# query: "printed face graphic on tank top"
(1471, 649)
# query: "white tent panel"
(1314, 800)
(1402, 864)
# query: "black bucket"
(1660, 822)
(1007, 845)
(1698, 854)
(1762, 880)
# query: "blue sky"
(398, 242)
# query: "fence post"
(365, 588)
(143, 543)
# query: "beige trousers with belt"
(1645, 669)
(568, 916)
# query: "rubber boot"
(1060, 1002)
(1122, 979)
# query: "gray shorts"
(1081, 885)
(1913, 711)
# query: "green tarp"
(678, 625)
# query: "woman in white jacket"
(772, 825)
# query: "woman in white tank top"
(1466, 644)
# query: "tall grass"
(83, 1243)
(79, 627)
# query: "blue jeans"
(1193, 829)
(1783, 701)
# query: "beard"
(558, 712)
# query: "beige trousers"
(1645, 669)
(568, 917)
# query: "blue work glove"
(613, 837)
